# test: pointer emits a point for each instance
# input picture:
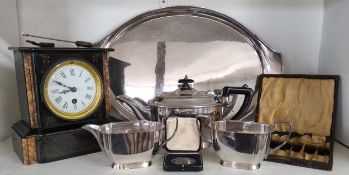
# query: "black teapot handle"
(245, 90)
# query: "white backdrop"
(291, 27)
(334, 58)
(8, 88)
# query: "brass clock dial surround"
(91, 107)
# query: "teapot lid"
(185, 97)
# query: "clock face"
(72, 89)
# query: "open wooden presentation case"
(308, 102)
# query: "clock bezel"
(94, 104)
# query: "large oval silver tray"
(155, 49)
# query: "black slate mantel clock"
(60, 89)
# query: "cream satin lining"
(306, 103)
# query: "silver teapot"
(192, 107)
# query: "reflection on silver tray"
(161, 46)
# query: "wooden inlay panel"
(29, 151)
(106, 82)
(29, 82)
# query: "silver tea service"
(182, 119)
(186, 114)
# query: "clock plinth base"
(42, 147)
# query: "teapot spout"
(129, 108)
(141, 111)
(96, 132)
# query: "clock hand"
(61, 84)
(73, 89)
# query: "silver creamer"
(127, 144)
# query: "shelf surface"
(97, 163)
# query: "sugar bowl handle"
(284, 142)
(173, 134)
(198, 128)
(213, 140)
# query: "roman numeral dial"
(72, 90)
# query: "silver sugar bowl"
(243, 145)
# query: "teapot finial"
(184, 83)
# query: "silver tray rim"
(270, 59)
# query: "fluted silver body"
(241, 145)
(127, 144)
